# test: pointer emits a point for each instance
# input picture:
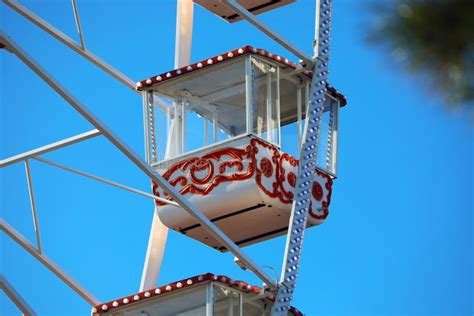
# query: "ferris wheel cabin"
(234, 122)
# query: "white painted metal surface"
(48, 148)
(247, 208)
(146, 123)
(335, 137)
(159, 232)
(63, 38)
(308, 161)
(184, 32)
(33, 205)
(155, 252)
(299, 214)
(103, 180)
(210, 300)
(249, 102)
(78, 24)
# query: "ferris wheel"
(224, 179)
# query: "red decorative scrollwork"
(291, 179)
(274, 174)
(187, 173)
(317, 191)
(266, 167)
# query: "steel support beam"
(103, 180)
(47, 148)
(16, 298)
(48, 263)
(237, 8)
(209, 226)
(78, 24)
(307, 162)
(63, 38)
(33, 205)
(184, 32)
(159, 232)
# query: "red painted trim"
(182, 284)
(269, 168)
(325, 203)
(198, 164)
(266, 167)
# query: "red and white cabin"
(236, 119)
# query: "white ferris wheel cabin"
(225, 139)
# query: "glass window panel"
(194, 129)
(215, 99)
(265, 98)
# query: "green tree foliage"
(435, 39)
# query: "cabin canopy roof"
(151, 82)
(141, 298)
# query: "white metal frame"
(103, 180)
(307, 161)
(78, 24)
(63, 38)
(209, 226)
(159, 232)
(33, 206)
(249, 106)
(310, 139)
(45, 149)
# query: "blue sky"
(398, 240)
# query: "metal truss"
(307, 162)
(103, 180)
(159, 232)
(213, 230)
(80, 49)
(50, 147)
(308, 150)
(78, 24)
(63, 38)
